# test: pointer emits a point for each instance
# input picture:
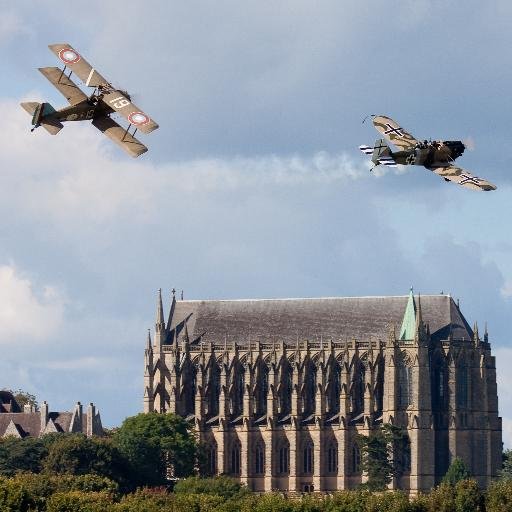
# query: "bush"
(13, 497)
(499, 496)
(468, 497)
(391, 501)
(76, 501)
(223, 486)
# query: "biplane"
(437, 156)
(97, 107)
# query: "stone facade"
(279, 389)
(30, 422)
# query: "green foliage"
(468, 497)
(499, 496)
(223, 486)
(379, 451)
(13, 497)
(23, 398)
(154, 444)
(76, 454)
(349, 501)
(21, 455)
(77, 501)
(456, 472)
(388, 502)
(506, 470)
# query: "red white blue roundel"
(138, 118)
(69, 56)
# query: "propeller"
(469, 143)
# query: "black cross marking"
(381, 146)
(395, 131)
(466, 179)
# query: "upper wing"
(120, 136)
(120, 103)
(74, 61)
(393, 132)
(462, 177)
(63, 83)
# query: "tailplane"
(381, 153)
(42, 116)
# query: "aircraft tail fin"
(41, 116)
(382, 154)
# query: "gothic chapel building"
(278, 389)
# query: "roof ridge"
(315, 298)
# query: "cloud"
(506, 290)
(78, 174)
(27, 313)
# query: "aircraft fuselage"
(430, 154)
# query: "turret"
(160, 330)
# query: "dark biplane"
(437, 156)
(98, 107)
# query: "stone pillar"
(44, 416)
(294, 470)
(245, 453)
(91, 416)
(269, 459)
(318, 453)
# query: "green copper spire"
(408, 329)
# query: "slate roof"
(29, 423)
(339, 318)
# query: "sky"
(253, 186)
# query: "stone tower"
(278, 389)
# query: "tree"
(456, 472)
(23, 398)
(21, 455)
(76, 454)
(506, 468)
(157, 446)
(381, 455)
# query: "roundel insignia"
(69, 56)
(138, 118)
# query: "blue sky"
(253, 186)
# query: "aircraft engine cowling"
(456, 147)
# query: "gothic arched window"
(333, 389)
(237, 394)
(357, 394)
(307, 462)
(235, 459)
(261, 389)
(356, 459)
(188, 382)
(213, 390)
(211, 460)
(259, 460)
(462, 386)
(332, 458)
(284, 459)
(285, 394)
(309, 388)
(404, 386)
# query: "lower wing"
(462, 177)
(120, 136)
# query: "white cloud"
(27, 314)
(79, 176)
